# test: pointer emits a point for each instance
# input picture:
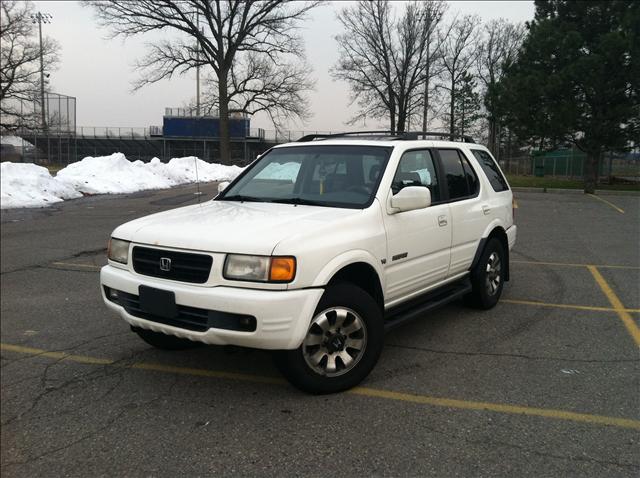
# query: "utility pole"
(41, 18)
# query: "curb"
(600, 192)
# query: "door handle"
(486, 210)
(442, 221)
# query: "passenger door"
(469, 218)
(418, 241)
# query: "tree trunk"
(402, 116)
(392, 115)
(451, 105)
(492, 135)
(425, 109)
(591, 172)
(225, 140)
(401, 125)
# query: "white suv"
(316, 249)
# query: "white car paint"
(323, 239)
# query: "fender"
(496, 223)
(344, 259)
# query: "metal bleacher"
(136, 144)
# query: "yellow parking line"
(621, 211)
(364, 391)
(565, 306)
(72, 264)
(623, 313)
(500, 408)
(84, 359)
(569, 264)
(55, 355)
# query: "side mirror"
(410, 198)
(222, 186)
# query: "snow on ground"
(28, 185)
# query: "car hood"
(229, 226)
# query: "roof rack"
(408, 136)
(413, 135)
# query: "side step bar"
(416, 308)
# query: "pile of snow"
(183, 170)
(113, 174)
(28, 185)
(116, 174)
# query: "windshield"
(320, 175)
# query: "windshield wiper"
(303, 202)
(240, 197)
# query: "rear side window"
(461, 180)
(490, 168)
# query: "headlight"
(260, 268)
(118, 250)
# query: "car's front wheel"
(342, 344)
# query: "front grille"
(190, 318)
(185, 266)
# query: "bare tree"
(460, 51)
(498, 50)
(20, 64)
(383, 59)
(257, 85)
(365, 61)
(434, 11)
(237, 39)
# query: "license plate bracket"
(158, 302)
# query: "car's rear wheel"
(342, 344)
(487, 278)
(163, 341)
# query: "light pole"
(41, 18)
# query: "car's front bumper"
(512, 232)
(282, 316)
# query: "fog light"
(112, 294)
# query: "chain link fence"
(68, 144)
(572, 165)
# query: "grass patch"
(562, 183)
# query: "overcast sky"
(98, 72)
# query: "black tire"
(296, 369)
(163, 341)
(483, 295)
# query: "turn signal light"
(283, 269)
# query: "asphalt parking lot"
(545, 384)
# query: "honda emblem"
(165, 264)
